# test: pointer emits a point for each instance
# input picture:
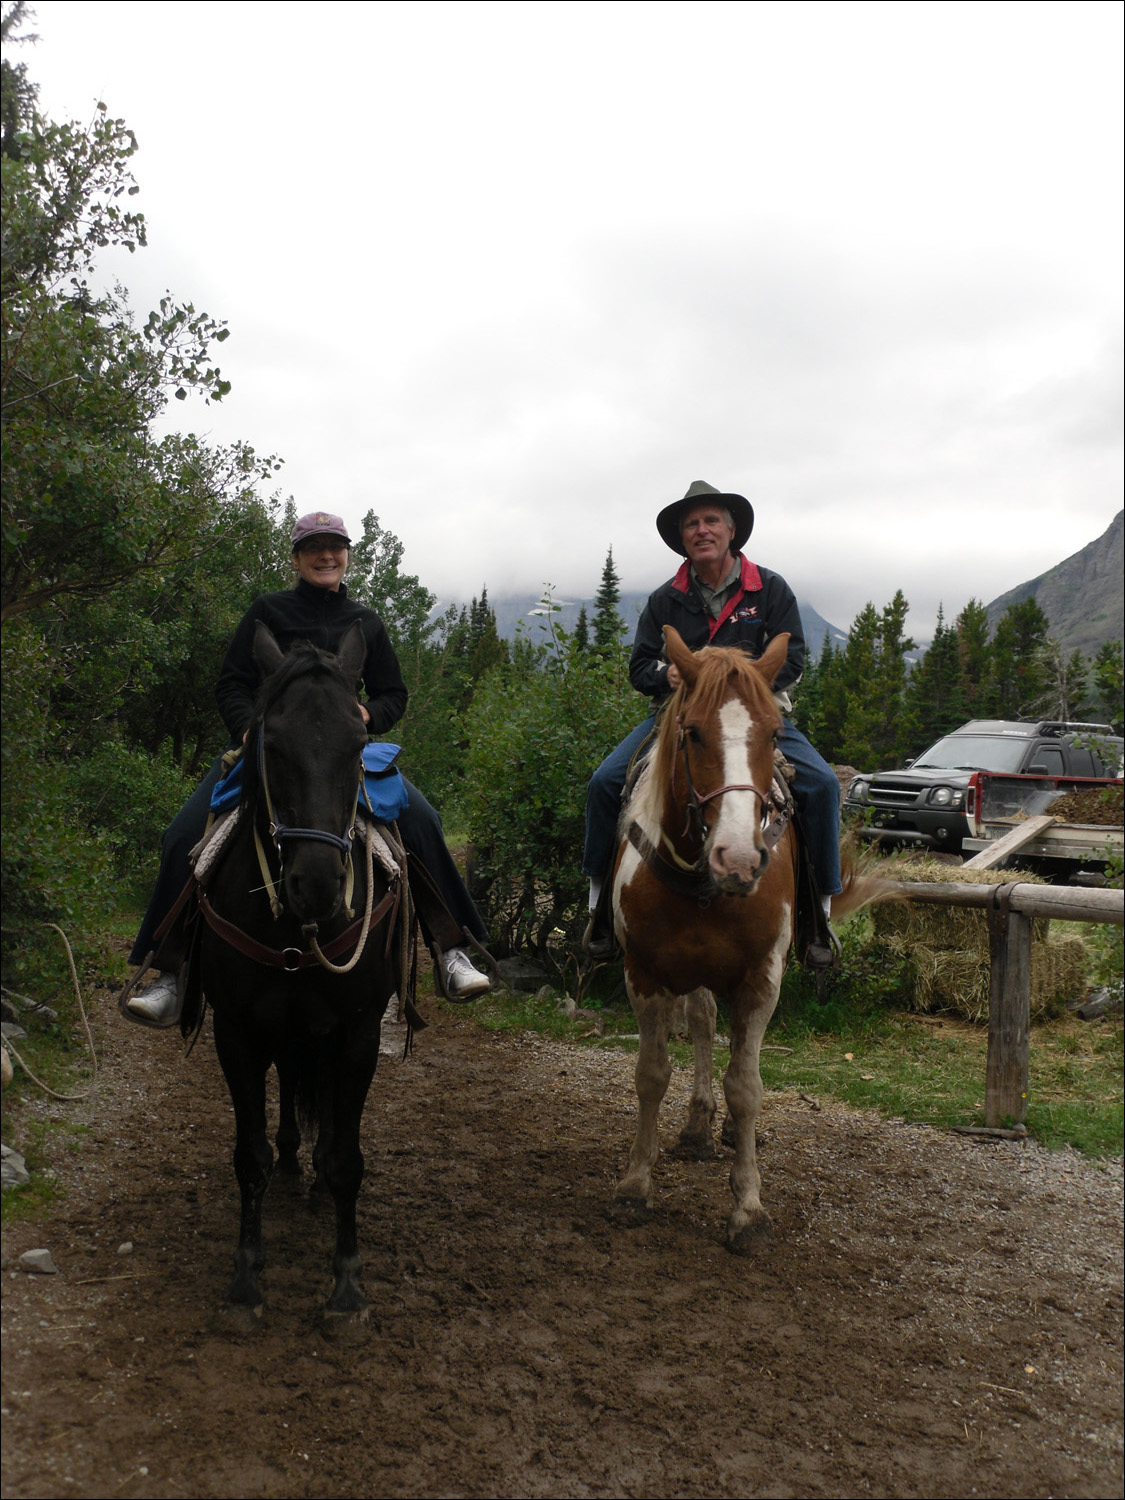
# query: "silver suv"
(924, 803)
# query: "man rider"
(718, 597)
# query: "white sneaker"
(160, 1004)
(462, 981)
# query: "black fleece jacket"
(308, 613)
(764, 606)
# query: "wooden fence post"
(1009, 1013)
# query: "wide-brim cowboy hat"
(700, 493)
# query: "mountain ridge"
(1081, 597)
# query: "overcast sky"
(513, 275)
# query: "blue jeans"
(816, 792)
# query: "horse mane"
(717, 665)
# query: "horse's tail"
(306, 1064)
(861, 888)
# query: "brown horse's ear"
(773, 657)
(267, 653)
(353, 652)
(680, 655)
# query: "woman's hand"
(674, 676)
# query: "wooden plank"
(1068, 903)
(1007, 1070)
(1021, 834)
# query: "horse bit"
(696, 802)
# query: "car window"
(1082, 762)
(1050, 757)
(976, 752)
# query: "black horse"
(294, 980)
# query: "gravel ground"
(936, 1316)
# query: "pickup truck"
(927, 801)
(1061, 826)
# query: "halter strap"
(697, 802)
(280, 833)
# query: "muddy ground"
(936, 1317)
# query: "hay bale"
(947, 955)
(944, 927)
(951, 979)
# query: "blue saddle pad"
(383, 793)
(384, 790)
(226, 792)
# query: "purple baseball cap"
(319, 523)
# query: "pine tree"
(608, 624)
(971, 627)
(1108, 673)
(1018, 674)
(485, 648)
(934, 700)
(858, 672)
(1064, 682)
(582, 631)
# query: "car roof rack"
(1070, 726)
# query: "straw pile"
(947, 953)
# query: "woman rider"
(316, 609)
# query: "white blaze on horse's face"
(736, 851)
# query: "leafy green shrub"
(538, 727)
(127, 798)
(51, 869)
(857, 993)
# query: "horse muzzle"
(314, 882)
(737, 874)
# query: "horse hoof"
(344, 1327)
(239, 1317)
(288, 1175)
(629, 1213)
(693, 1147)
(752, 1238)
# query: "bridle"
(697, 801)
(281, 834)
(693, 878)
(278, 831)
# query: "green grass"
(865, 1054)
(58, 1054)
(43, 1142)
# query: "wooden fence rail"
(1011, 909)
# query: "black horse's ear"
(353, 652)
(267, 653)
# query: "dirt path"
(936, 1318)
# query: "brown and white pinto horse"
(703, 906)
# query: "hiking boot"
(824, 952)
(460, 979)
(160, 1004)
(597, 944)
